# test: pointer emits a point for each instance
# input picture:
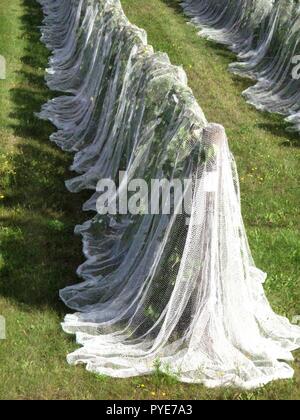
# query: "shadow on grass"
(39, 250)
(279, 128)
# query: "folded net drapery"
(266, 36)
(181, 292)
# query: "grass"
(38, 251)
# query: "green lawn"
(38, 251)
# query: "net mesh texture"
(157, 289)
(265, 34)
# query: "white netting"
(155, 288)
(266, 36)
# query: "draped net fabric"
(158, 289)
(266, 36)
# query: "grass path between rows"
(38, 250)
